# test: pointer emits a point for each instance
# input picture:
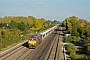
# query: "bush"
(71, 51)
(68, 39)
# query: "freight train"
(35, 40)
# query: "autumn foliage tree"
(73, 25)
(79, 28)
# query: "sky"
(48, 9)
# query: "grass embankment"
(9, 46)
(10, 38)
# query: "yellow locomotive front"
(32, 42)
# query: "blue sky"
(48, 9)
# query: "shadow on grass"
(80, 50)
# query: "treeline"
(15, 29)
(79, 28)
(30, 22)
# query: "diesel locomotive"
(35, 40)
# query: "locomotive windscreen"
(32, 39)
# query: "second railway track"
(16, 53)
(49, 49)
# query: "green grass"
(10, 46)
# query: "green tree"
(21, 26)
(71, 51)
(80, 31)
(1, 25)
(74, 26)
(87, 45)
(13, 25)
(68, 39)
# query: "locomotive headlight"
(34, 43)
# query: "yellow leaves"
(0, 19)
(30, 20)
(38, 24)
(67, 21)
(87, 27)
(83, 23)
(69, 25)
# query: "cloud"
(21, 4)
(57, 6)
(7, 3)
(40, 3)
(24, 3)
(77, 10)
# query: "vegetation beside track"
(80, 37)
(16, 29)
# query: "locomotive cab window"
(30, 39)
(34, 38)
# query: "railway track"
(37, 54)
(49, 49)
(15, 53)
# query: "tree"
(87, 45)
(13, 25)
(71, 51)
(68, 39)
(21, 26)
(1, 25)
(80, 31)
(74, 26)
